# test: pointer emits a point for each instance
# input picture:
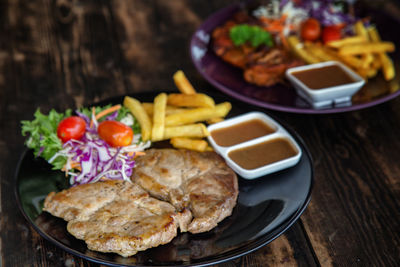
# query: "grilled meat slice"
(262, 66)
(200, 182)
(116, 216)
(270, 68)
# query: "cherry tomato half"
(73, 127)
(115, 133)
(331, 33)
(310, 30)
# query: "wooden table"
(68, 53)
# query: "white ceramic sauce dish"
(327, 96)
(240, 155)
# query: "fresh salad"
(322, 19)
(90, 145)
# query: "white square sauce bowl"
(324, 84)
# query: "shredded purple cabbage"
(325, 13)
(98, 160)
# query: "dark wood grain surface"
(69, 53)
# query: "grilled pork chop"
(200, 182)
(263, 66)
(121, 217)
(116, 216)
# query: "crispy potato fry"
(361, 30)
(297, 47)
(347, 41)
(385, 61)
(372, 47)
(352, 61)
(198, 130)
(192, 100)
(187, 143)
(214, 120)
(140, 114)
(160, 103)
(209, 148)
(149, 107)
(198, 114)
(367, 73)
(183, 84)
(387, 67)
(320, 52)
(367, 60)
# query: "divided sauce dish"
(254, 144)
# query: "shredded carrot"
(74, 165)
(108, 111)
(137, 153)
(103, 113)
(284, 41)
(277, 26)
(93, 115)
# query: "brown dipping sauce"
(258, 155)
(241, 132)
(323, 77)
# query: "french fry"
(214, 120)
(320, 52)
(367, 73)
(352, 61)
(386, 63)
(160, 103)
(198, 130)
(192, 100)
(367, 60)
(347, 41)
(297, 47)
(360, 30)
(209, 148)
(183, 84)
(198, 114)
(149, 107)
(372, 47)
(387, 67)
(187, 143)
(136, 108)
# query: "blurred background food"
(269, 37)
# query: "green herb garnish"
(256, 35)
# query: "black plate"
(266, 208)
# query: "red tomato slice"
(310, 30)
(73, 127)
(331, 33)
(115, 133)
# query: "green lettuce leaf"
(42, 135)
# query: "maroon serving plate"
(282, 97)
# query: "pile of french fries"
(364, 52)
(178, 117)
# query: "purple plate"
(283, 97)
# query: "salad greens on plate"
(95, 143)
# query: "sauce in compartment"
(323, 77)
(241, 132)
(258, 155)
